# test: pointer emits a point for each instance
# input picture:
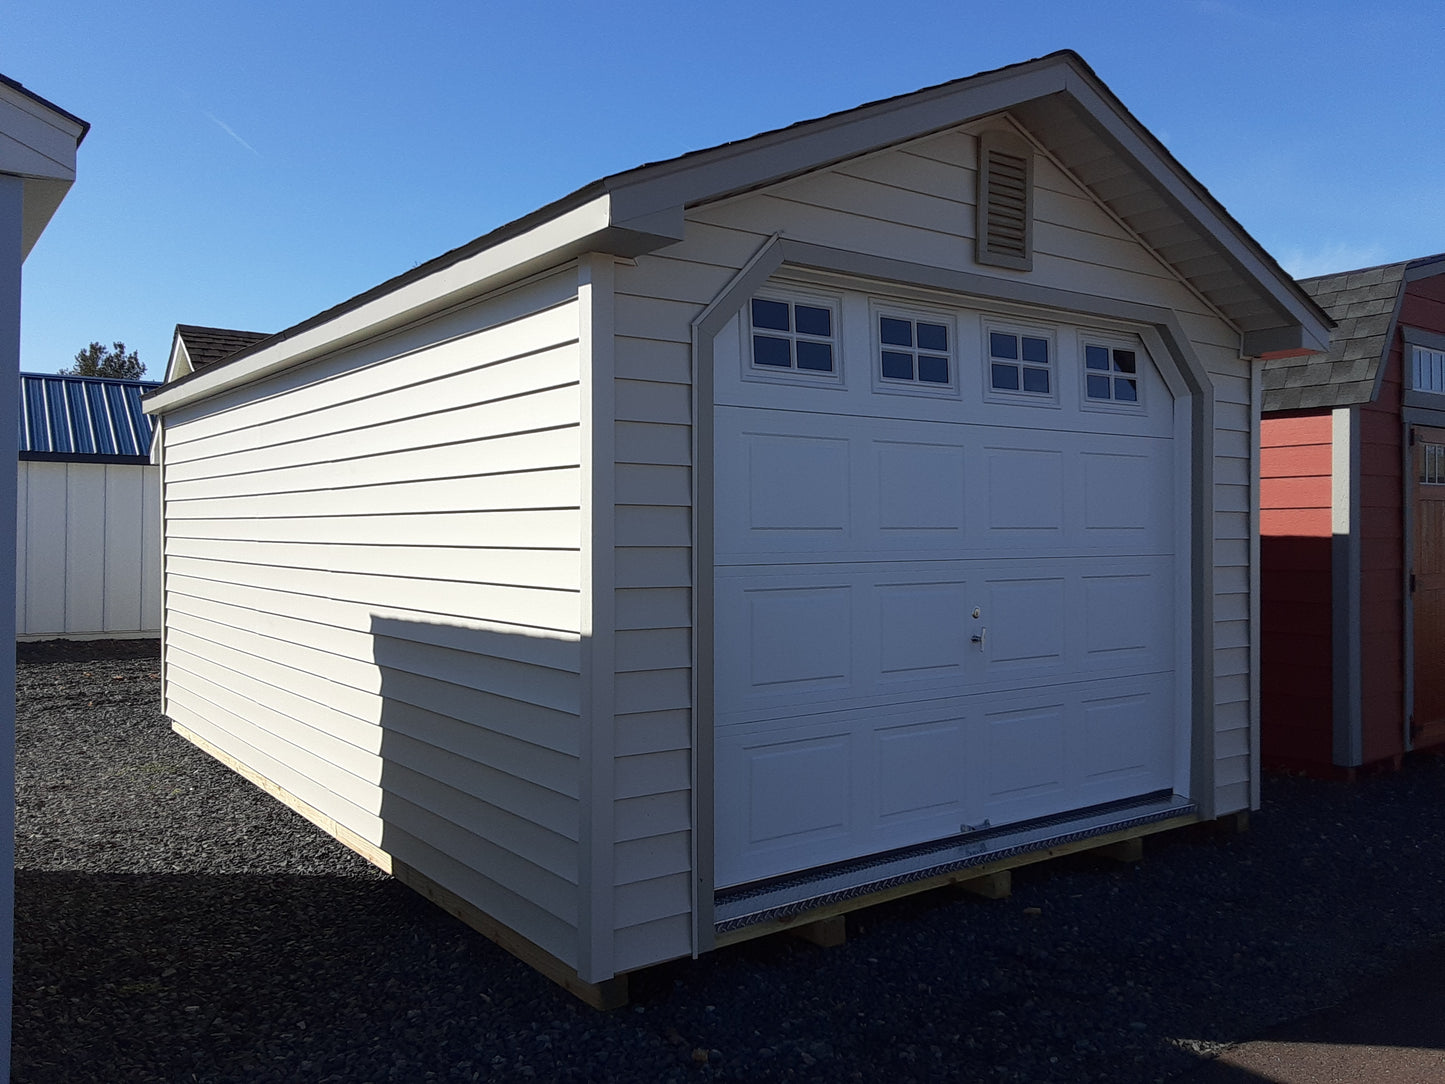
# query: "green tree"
(98, 360)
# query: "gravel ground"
(173, 923)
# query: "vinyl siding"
(87, 549)
(373, 596)
(915, 204)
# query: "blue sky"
(251, 164)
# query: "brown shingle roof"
(208, 345)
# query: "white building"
(88, 521)
(857, 506)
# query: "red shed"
(1352, 528)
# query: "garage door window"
(1111, 375)
(793, 335)
(1019, 363)
(915, 351)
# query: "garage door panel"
(922, 631)
(1122, 491)
(793, 796)
(933, 610)
(829, 637)
(920, 489)
(799, 639)
(1025, 622)
(1025, 490)
(1124, 616)
(798, 483)
(787, 796)
(1026, 752)
(917, 770)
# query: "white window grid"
(1429, 369)
(1113, 374)
(1022, 372)
(1432, 464)
(914, 351)
(804, 341)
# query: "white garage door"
(946, 589)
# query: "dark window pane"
(1124, 361)
(895, 332)
(1125, 390)
(770, 351)
(1096, 357)
(1036, 350)
(815, 356)
(932, 337)
(932, 370)
(772, 315)
(812, 320)
(1036, 380)
(1002, 346)
(1005, 377)
(1098, 386)
(897, 366)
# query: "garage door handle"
(978, 637)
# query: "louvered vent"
(1005, 201)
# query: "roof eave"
(550, 241)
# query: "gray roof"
(208, 345)
(1364, 305)
(83, 418)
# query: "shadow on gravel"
(180, 977)
(1389, 1032)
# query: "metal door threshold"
(794, 894)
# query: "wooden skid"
(825, 933)
(959, 878)
(609, 994)
(1126, 850)
(998, 885)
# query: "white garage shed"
(88, 538)
(855, 506)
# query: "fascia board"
(37, 141)
(587, 227)
(1181, 190)
(768, 158)
(179, 364)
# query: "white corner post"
(12, 199)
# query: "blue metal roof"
(83, 417)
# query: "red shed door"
(1428, 597)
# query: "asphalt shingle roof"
(208, 345)
(1364, 305)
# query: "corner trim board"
(597, 873)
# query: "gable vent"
(1005, 201)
